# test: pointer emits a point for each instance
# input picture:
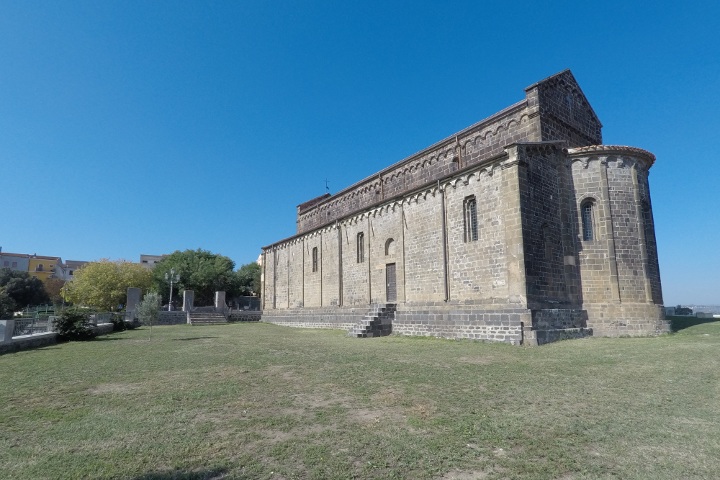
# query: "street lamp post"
(171, 277)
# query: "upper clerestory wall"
(553, 109)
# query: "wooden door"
(390, 283)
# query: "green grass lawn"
(262, 401)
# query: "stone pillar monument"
(133, 299)
(219, 301)
(188, 300)
(188, 303)
(6, 331)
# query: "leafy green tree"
(23, 289)
(7, 305)
(248, 277)
(103, 284)
(202, 271)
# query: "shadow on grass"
(191, 338)
(681, 323)
(175, 475)
(105, 338)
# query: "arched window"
(389, 247)
(586, 214)
(470, 215)
(315, 259)
(360, 247)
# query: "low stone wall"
(331, 317)
(449, 321)
(103, 328)
(245, 316)
(38, 340)
(25, 342)
(171, 318)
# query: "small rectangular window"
(315, 259)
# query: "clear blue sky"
(131, 127)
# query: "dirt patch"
(422, 410)
(366, 416)
(388, 397)
(324, 400)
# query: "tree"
(7, 305)
(103, 284)
(23, 289)
(248, 277)
(201, 271)
(53, 287)
(147, 309)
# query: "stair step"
(377, 322)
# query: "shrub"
(74, 324)
(119, 323)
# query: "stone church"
(522, 228)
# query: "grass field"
(262, 401)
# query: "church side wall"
(424, 248)
(312, 269)
(545, 212)
(281, 277)
(331, 267)
(478, 269)
(386, 248)
(355, 273)
(295, 274)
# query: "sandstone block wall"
(529, 168)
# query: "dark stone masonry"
(522, 228)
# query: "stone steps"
(377, 322)
(207, 318)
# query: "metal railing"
(32, 325)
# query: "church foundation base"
(626, 319)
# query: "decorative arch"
(389, 247)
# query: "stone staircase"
(207, 318)
(377, 322)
